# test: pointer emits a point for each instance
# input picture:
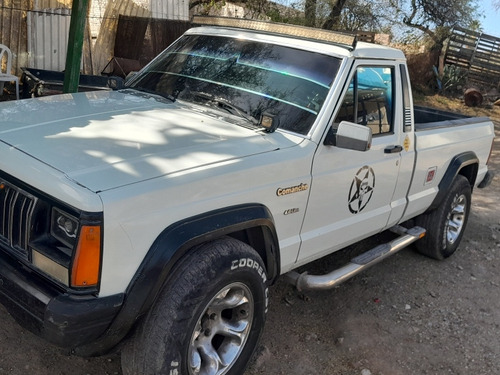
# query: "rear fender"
(465, 164)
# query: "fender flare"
(176, 240)
(170, 246)
(467, 164)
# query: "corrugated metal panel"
(48, 32)
(170, 9)
(13, 31)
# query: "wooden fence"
(13, 31)
(478, 53)
(138, 40)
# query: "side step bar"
(304, 281)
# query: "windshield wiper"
(226, 105)
(169, 97)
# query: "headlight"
(73, 253)
(64, 227)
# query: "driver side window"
(369, 99)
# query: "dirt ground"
(407, 315)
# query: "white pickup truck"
(158, 215)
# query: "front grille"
(16, 211)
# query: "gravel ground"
(407, 315)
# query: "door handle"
(393, 149)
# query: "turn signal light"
(87, 261)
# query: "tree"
(310, 10)
(333, 18)
(436, 18)
(356, 15)
(206, 4)
(347, 15)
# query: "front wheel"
(207, 319)
(446, 224)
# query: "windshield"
(253, 78)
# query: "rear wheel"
(207, 319)
(446, 224)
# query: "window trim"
(353, 76)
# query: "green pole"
(75, 45)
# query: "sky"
(491, 24)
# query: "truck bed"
(440, 136)
(430, 118)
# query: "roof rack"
(341, 39)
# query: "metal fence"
(36, 31)
(477, 53)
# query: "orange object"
(87, 261)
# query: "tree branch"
(333, 17)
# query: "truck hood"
(103, 140)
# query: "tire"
(446, 224)
(207, 319)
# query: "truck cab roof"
(377, 51)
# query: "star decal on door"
(361, 190)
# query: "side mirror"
(350, 136)
(116, 83)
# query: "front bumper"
(63, 319)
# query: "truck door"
(352, 191)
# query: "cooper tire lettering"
(249, 263)
(234, 265)
(174, 368)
